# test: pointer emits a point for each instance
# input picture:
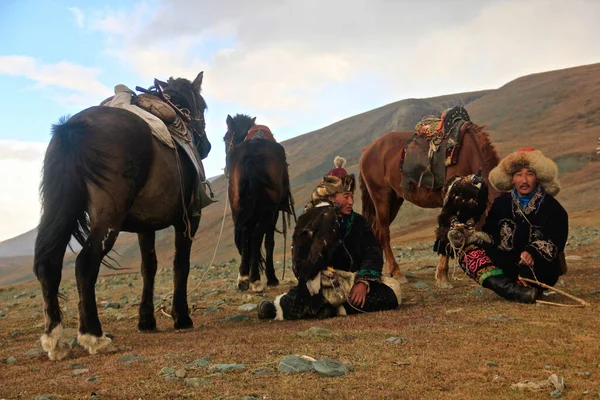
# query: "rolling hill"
(557, 112)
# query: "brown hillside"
(557, 112)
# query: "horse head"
(186, 96)
(237, 129)
(315, 235)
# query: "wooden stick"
(551, 303)
(577, 299)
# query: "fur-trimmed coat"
(541, 229)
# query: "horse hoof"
(257, 287)
(147, 326)
(184, 324)
(243, 283)
(274, 282)
(55, 345)
(400, 277)
(444, 285)
(94, 344)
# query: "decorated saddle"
(434, 146)
(170, 126)
(260, 132)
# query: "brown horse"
(104, 172)
(382, 195)
(259, 187)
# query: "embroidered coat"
(358, 249)
(541, 229)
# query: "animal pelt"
(465, 202)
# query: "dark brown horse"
(259, 187)
(104, 172)
(382, 195)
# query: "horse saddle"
(260, 132)
(434, 146)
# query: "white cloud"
(20, 174)
(62, 75)
(79, 16)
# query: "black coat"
(358, 250)
(541, 229)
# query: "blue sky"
(296, 66)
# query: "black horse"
(104, 172)
(259, 187)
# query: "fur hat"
(339, 162)
(545, 170)
(330, 186)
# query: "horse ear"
(162, 84)
(198, 82)
(254, 120)
(229, 121)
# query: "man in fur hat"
(526, 227)
(353, 251)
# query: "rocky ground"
(461, 343)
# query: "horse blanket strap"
(260, 132)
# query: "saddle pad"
(260, 132)
(122, 99)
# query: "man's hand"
(526, 259)
(358, 294)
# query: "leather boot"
(266, 310)
(510, 290)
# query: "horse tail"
(69, 164)
(368, 207)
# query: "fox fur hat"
(545, 170)
(330, 186)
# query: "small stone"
(46, 397)
(93, 379)
(248, 398)
(248, 307)
(202, 362)
(316, 331)
(596, 291)
(80, 371)
(585, 374)
(498, 378)
(130, 358)
(112, 305)
(78, 365)
(181, 373)
(263, 371)
(499, 317)
(556, 394)
(15, 334)
(212, 309)
(196, 382)
(237, 318)
(121, 317)
(491, 364)
(478, 292)
(330, 367)
(396, 340)
(421, 285)
(295, 363)
(227, 367)
(215, 375)
(35, 352)
(11, 360)
(170, 378)
(168, 371)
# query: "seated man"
(353, 249)
(526, 227)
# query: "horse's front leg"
(181, 270)
(441, 274)
(146, 240)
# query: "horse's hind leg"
(87, 266)
(181, 270)
(49, 275)
(243, 281)
(387, 206)
(269, 248)
(147, 322)
(256, 240)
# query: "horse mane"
(490, 154)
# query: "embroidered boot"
(510, 290)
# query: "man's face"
(345, 200)
(524, 181)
